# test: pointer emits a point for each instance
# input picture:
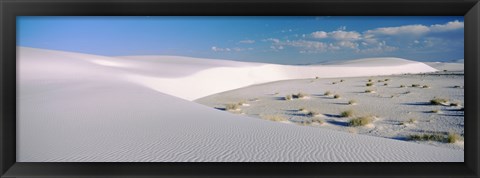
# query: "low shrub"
(360, 121)
(415, 85)
(347, 113)
(336, 96)
(369, 84)
(438, 101)
(288, 97)
(232, 107)
(277, 118)
(312, 114)
(351, 102)
(327, 93)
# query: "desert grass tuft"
(277, 118)
(402, 86)
(409, 121)
(369, 91)
(455, 104)
(232, 107)
(435, 111)
(327, 93)
(415, 85)
(425, 86)
(385, 84)
(347, 113)
(360, 121)
(453, 137)
(317, 120)
(299, 95)
(312, 114)
(342, 80)
(438, 101)
(336, 96)
(288, 97)
(352, 102)
(369, 84)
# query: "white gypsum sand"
(400, 111)
(76, 107)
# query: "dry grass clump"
(276, 118)
(455, 104)
(369, 84)
(318, 120)
(342, 80)
(334, 83)
(352, 102)
(232, 107)
(370, 80)
(450, 138)
(402, 86)
(380, 81)
(453, 137)
(409, 121)
(369, 91)
(302, 109)
(312, 114)
(415, 85)
(457, 86)
(360, 121)
(425, 86)
(300, 95)
(435, 111)
(316, 77)
(336, 96)
(347, 113)
(288, 97)
(385, 84)
(387, 79)
(327, 93)
(438, 101)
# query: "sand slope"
(214, 76)
(78, 107)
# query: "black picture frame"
(9, 9)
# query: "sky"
(274, 39)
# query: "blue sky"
(282, 40)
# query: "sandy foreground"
(76, 107)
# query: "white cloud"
(247, 41)
(217, 49)
(407, 29)
(454, 25)
(319, 34)
(416, 29)
(274, 40)
(345, 35)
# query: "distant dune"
(76, 107)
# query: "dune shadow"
(345, 104)
(280, 98)
(339, 123)
(454, 115)
(357, 92)
(332, 115)
(417, 104)
(221, 109)
(401, 138)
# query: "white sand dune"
(85, 108)
(214, 76)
